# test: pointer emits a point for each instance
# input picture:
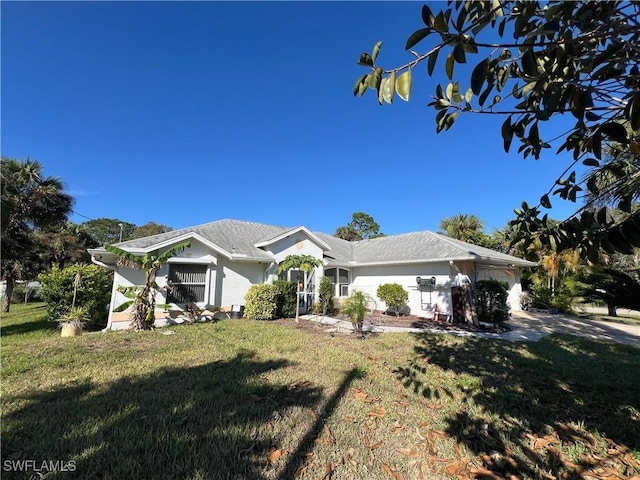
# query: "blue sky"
(184, 113)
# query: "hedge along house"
(226, 257)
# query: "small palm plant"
(74, 321)
(355, 307)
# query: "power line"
(81, 215)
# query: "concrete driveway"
(533, 326)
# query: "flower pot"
(69, 330)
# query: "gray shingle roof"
(425, 246)
(240, 237)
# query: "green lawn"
(240, 399)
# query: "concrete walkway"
(525, 326)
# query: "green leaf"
(591, 162)
(483, 96)
(427, 16)
(615, 131)
(432, 61)
(383, 82)
(440, 23)
(478, 76)
(403, 85)
(529, 63)
(365, 60)
(453, 92)
(388, 88)
(375, 79)
(468, 95)
(507, 135)
(596, 144)
(122, 307)
(449, 66)
(469, 45)
(359, 82)
(458, 53)
(376, 51)
(416, 37)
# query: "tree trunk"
(612, 309)
(298, 303)
(6, 301)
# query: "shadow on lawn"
(524, 396)
(215, 421)
(29, 326)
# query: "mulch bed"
(414, 321)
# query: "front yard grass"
(240, 399)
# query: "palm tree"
(30, 202)
(462, 227)
(304, 263)
(144, 296)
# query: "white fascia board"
(325, 246)
(243, 257)
(405, 262)
(199, 260)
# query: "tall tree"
(560, 57)
(615, 288)
(362, 226)
(109, 230)
(150, 228)
(66, 245)
(469, 228)
(30, 202)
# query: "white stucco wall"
(233, 280)
(368, 279)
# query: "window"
(340, 278)
(188, 282)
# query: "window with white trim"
(188, 283)
(340, 278)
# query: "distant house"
(226, 257)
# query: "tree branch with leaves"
(565, 57)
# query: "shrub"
(326, 291)
(355, 307)
(19, 291)
(286, 299)
(491, 301)
(261, 302)
(394, 296)
(562, 299)
(93, 293)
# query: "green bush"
(261, 302)
(562, 299)
(394, 296)
(491, 301)
(286, 300)
(93, 292)
(325, 296)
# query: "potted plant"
(73, 322)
